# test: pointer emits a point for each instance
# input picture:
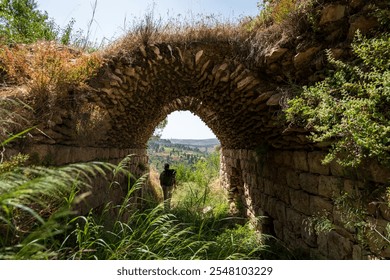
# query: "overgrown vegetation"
(47, 66)
(349, 108)
(37, 220)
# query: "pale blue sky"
(114, 16)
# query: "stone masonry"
(288, 187)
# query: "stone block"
(61, 155)
(260, 184)
(378, 173)
(274, 100)
(292, 178)
(315, 163)
(89, 154)
(304, 58)
(340, 248)
(376, 242)
(114, 153)
(263, 96)
(268, 187)
(243, 154)
(268, 171)
(320, 205)
(104, 153)
(263, 201)
(278, 228)
(332, 13)
(274, 54)
(362, 23)
(309, 182)
(349, 187)
(288, 159)
(322, 242)
(282, 193)
(385, 253)
(338, 217)
(300, 160)
(385, 211)
(329, 186)
(357, 252)
(278, 158)
(280, 211)
(76, 154)
(294, 220)
(300, 201)
(315, 255)
(40, 152)
(271, 207)
(294, 241)
(281, 176)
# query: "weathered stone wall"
(290, 187)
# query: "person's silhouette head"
(166, 166)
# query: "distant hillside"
(196, 142)
(179, 151)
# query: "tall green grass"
(37, 221)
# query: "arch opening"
(187, 139)
(186, 125)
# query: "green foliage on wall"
(350, 107)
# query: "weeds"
(46, 66)
(37, 221)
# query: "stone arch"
(273, 169)
(139, 89)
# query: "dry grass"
(14, 114)
(48, 73)
(152, 189)
(47, 68)
(278, 23)
(47, 65)
(177, 32)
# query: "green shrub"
(241, 242)
(350, 107)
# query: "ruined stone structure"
(268, 169)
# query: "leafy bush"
(278, 11)
(242, 242)
(184, 173)
(21, 22)
(350, 107)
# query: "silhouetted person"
(167, 182)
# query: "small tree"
(22, 22)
